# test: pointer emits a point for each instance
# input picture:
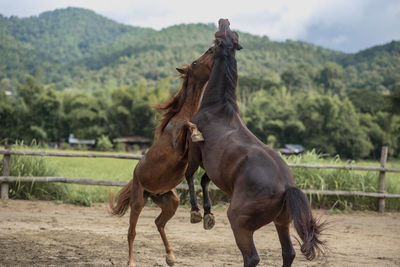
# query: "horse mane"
(229, 101)
(172, 106)
(225, 96)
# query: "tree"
(84, 116)
(40, 118)
(299, 78)
(333, 126)
(130, 113)
(329, 77)
(394, 100)
(272, 116)
(367, 101)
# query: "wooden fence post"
(381, 202)
(6, 172)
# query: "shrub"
(334, 179)
(33, 166)
(104, 143)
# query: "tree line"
(304, 105)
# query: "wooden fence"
(5, 179)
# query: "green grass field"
(122, 170)
(95, 168)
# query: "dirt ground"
(38, 233)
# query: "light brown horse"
(163, 167)
(258, 180)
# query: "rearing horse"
(256, 177)
(163, 167)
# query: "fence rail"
(65, 154)
(6, 178)
(85, 181)
(138, 157)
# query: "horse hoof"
(197, 138)
(132, 264)
(195, 217)
(208, 221)
(170, 259)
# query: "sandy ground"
(38, 233)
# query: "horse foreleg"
(168, 203)
(196, 135)
(195, 215)
(208, 219)
(137, 203)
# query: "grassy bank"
(95, 168)
(334, 179)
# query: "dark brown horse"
(163, 166)
(257, 179)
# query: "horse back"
(234, 157)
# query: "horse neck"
(191, 103)
(221, 88)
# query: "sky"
(344, 25)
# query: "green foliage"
(333, 126)
(130, 113)
(330, 78)
(84, 115)
(299, 78)
(103, 143)
(33, 166)
(336, 179)
(273, 114)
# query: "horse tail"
(124, 196)
(308, 228)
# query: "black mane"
(229, 100)
(222, 92)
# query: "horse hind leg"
(282, 224)
(168, 203)
(137, 204)
(244, 239)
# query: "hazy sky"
(346, 25)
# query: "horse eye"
(194, 63)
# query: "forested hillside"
(74, 71)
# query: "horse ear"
(238, 46)
(181, 71)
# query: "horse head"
(225, 38)
(200, 69)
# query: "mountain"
(377, 67)
(77, 48)
(67, 34)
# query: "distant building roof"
(75, 141)
(292, 149)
